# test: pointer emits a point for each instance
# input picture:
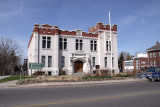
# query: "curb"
(48, 84)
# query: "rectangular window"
(150, 55)
(62, 61)
(43, 42)
(48, 42)
(49, 61)
(63, 43)
(154, 54)
(93, 45)
(93, 61)
(151, 63)
(137, 64)
(105, 61)
(43, 60)
(108, 45)
(143, 62)
(60, 43)
(112, 61)
(159, 54)
(154, 63)
(79, 44)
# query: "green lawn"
(15, 77)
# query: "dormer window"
(79, 33)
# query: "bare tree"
(126, 55)
(9, 55)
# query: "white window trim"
(79, 44)
(63, 43)
(46, 42)
(48, 61)
(93, 45)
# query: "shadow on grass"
(15, 77)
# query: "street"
(130, 94)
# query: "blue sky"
(138, 21)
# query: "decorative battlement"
(101, 26)
(47, 29)
(47, 26)
(52, 30)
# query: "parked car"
(152, 74)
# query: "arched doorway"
(78, 66)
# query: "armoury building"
(73, 51)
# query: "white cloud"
(10, 9)
(127, 20)
(21, 7)
(7, 14)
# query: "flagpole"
(110, 40)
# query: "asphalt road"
(131, 94)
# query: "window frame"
(93, 45)
(93, 61)
(108, 45)
(154, 54)
(43, 42)
(155, 63)
(50, 61)
(105, 62)
(79, 44)
(62, 61)
(46, 42)
(43, 60)
(151, 55)
(63, 43)
(112, 61)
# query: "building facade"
(137, 64)
(73, 51)
(154, 55)
(140, 62)
(128, 65)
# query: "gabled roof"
(155, 47)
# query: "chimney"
(157, 43)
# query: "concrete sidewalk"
(1, 77)
(12, 84)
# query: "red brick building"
(154, 55)
(137, 64)
(140, 64)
